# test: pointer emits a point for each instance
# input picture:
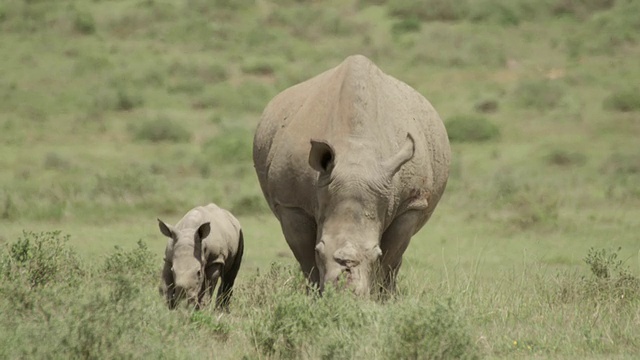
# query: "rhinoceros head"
(185, 258)
(354, 196)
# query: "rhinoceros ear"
(393, 164)
(165, 229)
(203, 231)
(321, 156)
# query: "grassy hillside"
(113, 113)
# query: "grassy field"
(113, 113)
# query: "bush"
(291, 324)
(124, 186)
(231, 145)
(261, 66)
(402, 26)
(563, 157)
(162, 129)
(539, 94)
(250, 204)
(84, 23)
(580, 8)
(40, 259)
(55, 161)
(623, 101)
(429, 10)
(139, 261)
(127, 100)
(418, 332)
(471, 128)
(500, 12)
(611, 280)
(250, 96)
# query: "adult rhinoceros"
(352, 163)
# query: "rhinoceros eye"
(199, 273)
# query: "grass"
(151, 109)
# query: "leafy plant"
(138, 261)
(471, 128)
(40, 259)
(84, 23)
(623, 101)
(539, 94)
(162, 129)
(419, 332)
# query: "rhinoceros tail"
(229, 277)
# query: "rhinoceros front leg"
(212, 274)
(167, 285)
(225, 291)
(395, 241)
(299, 230)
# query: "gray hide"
(204, 246)
(353, 163)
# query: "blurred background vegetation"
(113, 113)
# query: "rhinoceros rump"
(352, 163)
(204, 246)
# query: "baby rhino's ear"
(203, 231)
(165, 229)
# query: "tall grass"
(109, 308)
(112, 113)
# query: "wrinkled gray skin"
(352, 163)
(204, 246)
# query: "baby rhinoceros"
(204, 246)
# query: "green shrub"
(471, 128)
(231, 145)
(623, 101)
(611, 279)
(250, 96)
(127, 99)
(623, 173)
(429, 10)
(402, 26)
(139, 261)
(260, 66)
(292, 324)
(497, 11)
(124, 186)
(107, 325)
(220, 329)
(231, 4)
(162, 129)
(40, 259)
(84, 23)
(539, 94)
(563, 157)
(207, 72)
(487, 106)
(9, 209)
(249, 204)
(419, 332)
(580, 8)
(55, 161)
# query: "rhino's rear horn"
(321, 156)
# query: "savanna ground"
(113, 113)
